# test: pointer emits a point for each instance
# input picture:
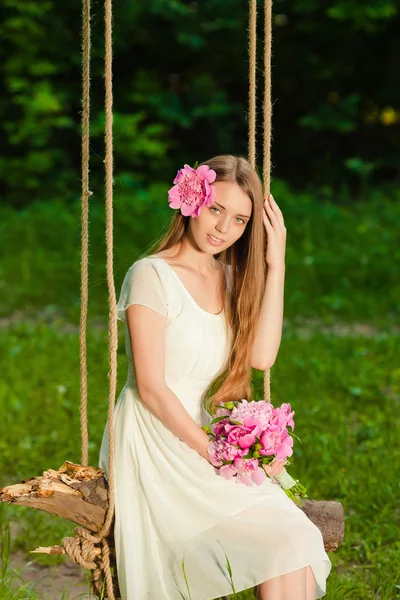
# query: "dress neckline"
(186, 290)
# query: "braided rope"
(86, 44)
(113, 330)
(267, 135)
(252, 81)
(267, 112)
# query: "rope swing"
(81, 548)
(78, 492)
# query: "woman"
(200, 310)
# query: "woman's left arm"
(269, 327)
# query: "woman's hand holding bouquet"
(246, 438)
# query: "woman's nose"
(222, 227)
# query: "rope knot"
(81, 548)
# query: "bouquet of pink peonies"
(245, 436)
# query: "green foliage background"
(180, 82)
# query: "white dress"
(171, 503)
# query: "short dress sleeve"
(142, 285)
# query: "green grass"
(340, 258)
(345, 392)
(345, 389)
(13, 585)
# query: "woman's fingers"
(275, 468)
(274, 212)
(272, 216)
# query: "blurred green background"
(180, 95)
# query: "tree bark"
(74, 492)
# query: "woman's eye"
(215, 208)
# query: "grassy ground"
(340, 258)
(344, 385)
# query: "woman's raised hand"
(276, 233)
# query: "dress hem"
(308, 564)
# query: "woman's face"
(226, 219)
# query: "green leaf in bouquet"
(217, 419)
(248, 455)
(230, 405)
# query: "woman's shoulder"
(165, 256)
(145, 267)
(141, 264)
(143, 284)
(148, 260)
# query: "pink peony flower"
(222, 412)
(247, 471)
(276, 441)
(244, 435)
(258, 409)
(219, 428)
(192, 190)
(220, 450)
(286, 410)
(227, 471)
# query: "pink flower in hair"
(192, 190)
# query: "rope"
(85, 224)
(82, 550)
(112, 302)
(113, 331)
(267, 134)
(252, 81)
(267, 95)
(267, 116)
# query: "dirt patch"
(305, 327)
(52, 581)
(65, 580)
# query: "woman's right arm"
(147, 334)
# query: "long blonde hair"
(247, 259)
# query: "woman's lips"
(214, 242)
